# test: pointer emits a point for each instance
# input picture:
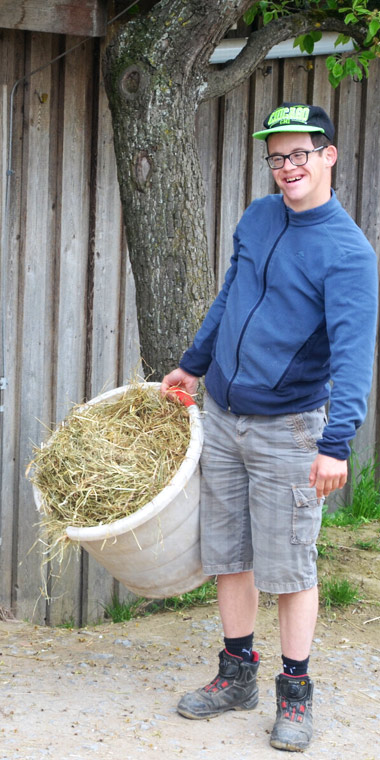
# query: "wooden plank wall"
(70, 306)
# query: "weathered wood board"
(79, 17)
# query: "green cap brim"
(263, 134)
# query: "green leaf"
(309, 44)
(251, 14)
(298, 40)
(316, 36)
(368, 39)
(338, 71)
(334, 82)
(350, 19)
(374, 26)
(367, 55)
(341, 39)
(301, 43)
(330, 62)
(351, 67)
(267, 18)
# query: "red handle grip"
(185, 398)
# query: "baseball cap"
(295, 117)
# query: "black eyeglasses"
(297, 158)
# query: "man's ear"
(331, 155)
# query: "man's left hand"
(327, 474)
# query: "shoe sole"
(289, 747)
(198, 716)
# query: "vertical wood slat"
(4, 118)
(265, 88)
(129, 344)
(295, 80)
(3, 270)
(107, 247)
(207, 141)
(369, 220)
(107, 252)
(324, 95)
(233, 177)
(322, 92)
(11, 69)
(130, 366)
(348, 140)
(36, 339)
(72, 306)
(71, 317)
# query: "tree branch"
(261, 42)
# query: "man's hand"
(181, 379)
(327, 474)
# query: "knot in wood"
(142, 169)
(131, 82)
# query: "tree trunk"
(153, 109)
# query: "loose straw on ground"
(106, 461)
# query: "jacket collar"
(316, 215)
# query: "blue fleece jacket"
(296, 311)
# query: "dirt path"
(110, 691)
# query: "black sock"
(295, 668)
(240, 647)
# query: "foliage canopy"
(358, 13)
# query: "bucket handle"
(185, 398)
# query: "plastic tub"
(154, 552)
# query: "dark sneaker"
(234, 688)
(293, 728)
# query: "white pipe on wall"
(229, 49)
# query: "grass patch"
(338, 592)
(121, 612)
(364, 505)
(69, 624)
(205, 594)
(325, 549)
(369, 546)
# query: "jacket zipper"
(255, 307)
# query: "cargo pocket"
(307, 515)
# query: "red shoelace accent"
(291, 712)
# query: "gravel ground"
(110, 691)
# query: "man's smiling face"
(303, 187)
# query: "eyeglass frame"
(288, 155)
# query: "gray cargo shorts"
(258, 511)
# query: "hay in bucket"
(106, 461)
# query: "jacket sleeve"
(351, 291)
(197, 358)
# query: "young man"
(296, 311)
